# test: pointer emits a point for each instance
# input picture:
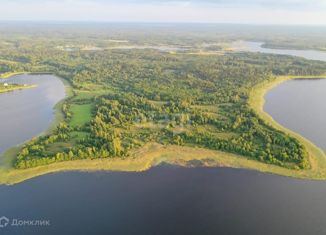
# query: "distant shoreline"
(11, 74)
(153, 154)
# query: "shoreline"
(11, 74)
(7, 157)
(153, 154)
(293, 47)
(317, 156)
(17, 88)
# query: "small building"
(5, 84)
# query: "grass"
(82, 114)
(149, 156)
(207, 108)
(153, 154)
(14, 88)
(79, 135)
(10, 74)
(143, 159)
(90, 94)
(317, 156)
(58, 146)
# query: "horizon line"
(152, 22)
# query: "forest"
(124, 98)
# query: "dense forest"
(126, 97)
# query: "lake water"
(256, 47)
(28, 112)
(173, 200)
(300, 106)
(297, 104)
(167, 200)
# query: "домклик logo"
(4, 221)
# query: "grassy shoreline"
(6, 158)
(17, 88)
(317, 156)
(153, 154)
(11, 74)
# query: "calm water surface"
(27, 113)
(172, 200)
(256, 47)
(167, 200)
(300, 106)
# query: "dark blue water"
(167, 200)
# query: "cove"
(299, 105)
(28, 113)
(296, 104)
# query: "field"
(81, 114)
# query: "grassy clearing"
(157, 103)
(90, 94)
(149, 125)
(58, 146)
(79, 135)
(210, 110)
(206, 108)
(82, 114)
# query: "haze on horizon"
(201, 11)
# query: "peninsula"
(5, 87)
(131, 109)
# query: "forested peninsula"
(130, 109)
